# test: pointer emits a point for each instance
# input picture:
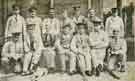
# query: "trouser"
(47, 58)
(84, 62)
(31, 59)
(63, 54)
(116, 59)
(11, 65)
(98, 56)
(27, 61)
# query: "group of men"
(32, 45)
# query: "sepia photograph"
(67, 40)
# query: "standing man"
(98, 43)
(67, 20)
(114, 22)
(78, 17)
(91, 17)
(51, 25)
(33, 38)
(15, 23)
(12, 53)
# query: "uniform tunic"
(98, 42)
(51, 26)
(78, 19)
(15, 24)
(80, 46)
(114, 23)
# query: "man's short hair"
(76, 7)
(32, 9)
(81, 25)
(114, 10)
(16, 7)
(66, 26)
(91, 9)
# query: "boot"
(97, 72)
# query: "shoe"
(93, 72)
(71, 73)
(88, 73)
(26, 73)
(122, 69)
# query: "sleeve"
(7, 27)
(73, 45)
(57, 43)
(122, 27)
(5, 50)
(58, 26)
(24, 29)
(92, 42)
(43, 27)
(26, 48)
(40, 34)
(107, 25)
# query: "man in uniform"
(51, 25)
(117, 52)
(15, 23)
(13, 52)
(33, 38)
(63, 48)
(67, 20)
(78, 17)
(80, 46)
(98, 43)
(114, 22)
(46, 61)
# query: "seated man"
(63, 49)
(117, 52)
(13, 52)
(46, 60)
(80, 46)
(98, 42)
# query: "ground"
(128, 76)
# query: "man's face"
(81, 29)
(116, 34)
(78, 12)
(115, 14)
(97, 26)
(33, 13)
(52, 15)
(66, 30)
(92, 13)
(16, 11)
